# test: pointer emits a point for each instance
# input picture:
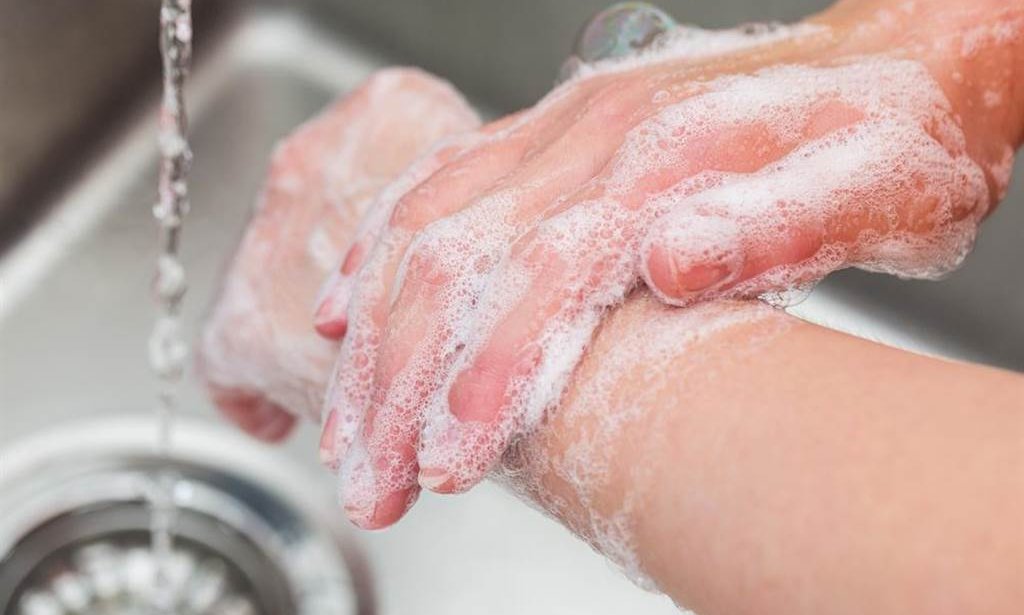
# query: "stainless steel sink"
(75, 311)
(75, 531)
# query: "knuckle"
(656, 261)
(411, 211)
(427, 201)
(616, 103)
(532, 248)
(424, 258)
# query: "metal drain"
(114, 575)
(74, 535)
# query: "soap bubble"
(618, 31)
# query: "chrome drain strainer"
(74, 529)
(115, 574)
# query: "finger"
(497, 391)
(451, 259)
(257, 416)
(431, 109)
(837, 200)
(330, 318)
(359, 365)
(460, 182)
(586, 267)
(445, 192)
(392, 421)
(884, 195)
(489, 400)
(368, 492)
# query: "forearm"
(777, 467)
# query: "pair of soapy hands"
(720, 165)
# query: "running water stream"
(168, 350)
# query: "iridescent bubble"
(621, 30)
(618, 31)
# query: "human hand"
(765, 163)
(259, 356)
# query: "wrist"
(973, 48)
(597, 463)
(979, 59)
(985, 58)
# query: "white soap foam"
(333, 299)
(999, 30)
(900, 164)
(585, 485)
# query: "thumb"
(912, 210)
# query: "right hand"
(465, 309)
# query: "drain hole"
(97, 560)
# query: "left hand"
(261, 361)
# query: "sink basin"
(75, 533)
(75, 311)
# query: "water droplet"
(170, 279)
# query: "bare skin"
(787, 468)
(406, 371)
(815, 473)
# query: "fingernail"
(330, 317)
(394, 506)
(328, 322)
(435, 479)
(385, 512)
(701, 277)
(693, 253)
(327, 438)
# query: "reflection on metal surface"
(74, 534)
(114, 573)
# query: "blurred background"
(87, 56)
(78, 87)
